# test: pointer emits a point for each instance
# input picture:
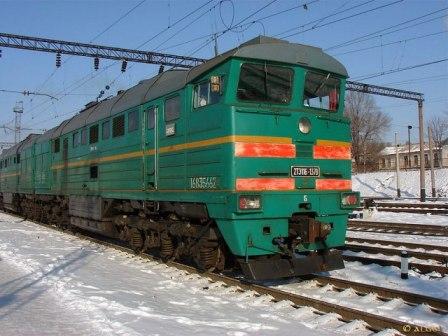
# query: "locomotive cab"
(293, 168)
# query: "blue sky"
(76, 83)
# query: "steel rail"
(441, 258)
(439, 306)
(402, 228)
(423, 268)
(396, 243)
(411, 210)
(374, 322)
(412, 205)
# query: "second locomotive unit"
(243, 161)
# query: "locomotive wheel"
(135, 239)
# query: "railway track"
(413, 246)
(402, 228)
(421, 208)
(373, 322)
(373, 246)
(421, 267)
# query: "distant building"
(412, 161)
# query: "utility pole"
(422, 151)
(18, 111)
(431, 163)
(397, 166)
(409, 146)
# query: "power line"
(243, 25)
(345, 18)
(428, 78)
(138, 47)
(376, 33)
(229, 29)
(323, 18)
(391, 43)
(29, 93)
(118, 20)
(174, 24)
(383, 73)
(94, 38)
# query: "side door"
(64, 177)
(150, 147)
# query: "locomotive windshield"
(321, 91)
(265, 83)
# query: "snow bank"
(383, 184)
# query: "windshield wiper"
(321, 85)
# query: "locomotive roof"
(261, 48)
(29, 140)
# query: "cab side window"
(93, 136)
(56, 145)
(118, 126)
(172, 108)
(132, 120)
(151, 117)
(203, 95)
(83, 136)
(76, 139)
(106, 130)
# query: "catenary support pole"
(431, 163)
(422, 151)
(397, 165)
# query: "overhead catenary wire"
(243, 25)
(206, 43)
(428, 78)
(323, 18)
(85, 78)
(383, 73)
(384, 31)
(345, 18)
(390, 43)
(94, 38)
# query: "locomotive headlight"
(304, 125)
(249, 202)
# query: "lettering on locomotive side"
(204, 182)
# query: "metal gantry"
(401, 94)
(384, 91)
(93, 50)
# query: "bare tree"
(439, 128)
(368, 124)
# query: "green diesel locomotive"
(243, 161)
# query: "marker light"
(249, 202)
(304, 125)
(349, 199)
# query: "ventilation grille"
(304, 151)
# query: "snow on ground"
(406, 217)
(416, 239)
(52, 283)
(383, 184)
